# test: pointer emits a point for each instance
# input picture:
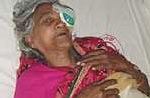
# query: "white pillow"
(8, 52)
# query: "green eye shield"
(66, 14)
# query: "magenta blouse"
(36, 80)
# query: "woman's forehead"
(44, 9)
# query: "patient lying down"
(51, 62)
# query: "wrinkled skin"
(99, 91)
(51, 36)
(116, 62)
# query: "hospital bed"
(127, 20)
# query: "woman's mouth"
(62, 34)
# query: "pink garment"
(39, 81)
(36, 80)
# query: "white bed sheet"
(128, 20)
(8, 53)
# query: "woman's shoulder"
(41, 72)
(89, 43)
(38, 78)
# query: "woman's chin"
(65, 46)
(64, 43)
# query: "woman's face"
(49, 32)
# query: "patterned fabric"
(83, 46)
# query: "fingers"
(106, 83)
(97, 62)
(94, 52)
(112, 96)
(98, 90)
(100, 59)
(111, 91)
(96, 57)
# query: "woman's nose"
(60, 24)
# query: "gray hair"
(22, 17)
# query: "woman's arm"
(98, 90)
(116, 62)
(141, 79)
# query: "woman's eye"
(47, 21)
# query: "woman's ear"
(29, 40)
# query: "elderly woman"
(52, 65)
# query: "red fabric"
(87, 44)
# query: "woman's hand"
(98, 91)
(99, 58)
(117, 62)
